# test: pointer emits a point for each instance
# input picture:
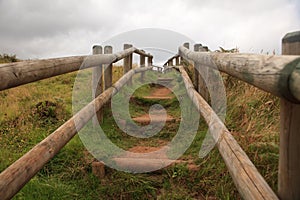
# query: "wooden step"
(164, 81)
(142, 164)
(158, 97)
(150, 164)
(157, 118)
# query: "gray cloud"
(39, 29)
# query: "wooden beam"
(203, 75)
(186, 45)
(197, 79)
(150, 61)
(177, 61)
(97, 80)
(142, 64)
(289, 153)
(108, 69)
(13, 178)
(247, 179)
(20, 172)
(268, 72)
(20, 73)
(127, 63)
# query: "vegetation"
(5, 58)
(31, 112)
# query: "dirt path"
(160, 93)
(147, 157)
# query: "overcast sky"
(43, 29)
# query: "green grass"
(29, 113)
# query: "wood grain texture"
(20, 172)
(269, 73)
(108, 69)
(20, 73)
(247, 179)
(13, 178)
(97, 84)
(142, 64)
(289, 152)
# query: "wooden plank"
(289, 153)
(142, 164)
(247, 179)
(268, 72)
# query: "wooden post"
(127, 62)
(98, 169)
(97, 85)
(203, 79)
(142, 64)
(150, 61)
(289, 153)
(170, 63)
(108, 69)
(196, 69)
(186, 45)
(177, 61)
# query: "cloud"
(39, 29)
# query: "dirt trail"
(147, 156)
(160, 93)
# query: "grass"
(31, 112)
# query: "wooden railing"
(21, 171)
(278, 75)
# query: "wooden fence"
(278, 75)
(21, 171)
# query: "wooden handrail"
(20, 73)
(13, 178)
(249, 182)
(278, 75)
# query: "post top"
(96, 46)
(292, 37)
(186, 45)
(127, 46)
(197, 47)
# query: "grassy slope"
(26, 118)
